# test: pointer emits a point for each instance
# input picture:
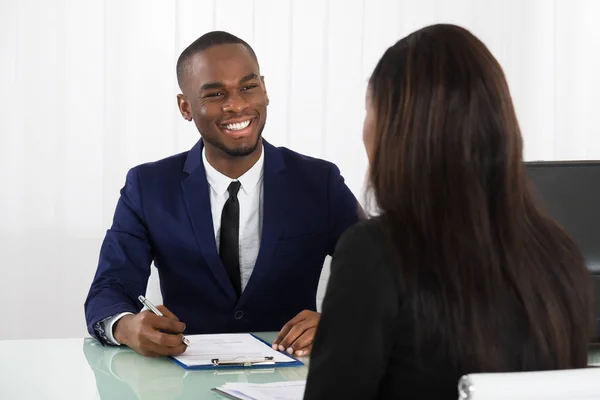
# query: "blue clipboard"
(242, 364)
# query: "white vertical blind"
(88, 91)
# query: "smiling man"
(237, 228)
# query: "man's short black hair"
(204, 42)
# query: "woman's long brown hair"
(475, 253)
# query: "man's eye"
(248, 87)
(215, 94)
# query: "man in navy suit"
(238, 229)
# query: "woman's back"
(369, 334)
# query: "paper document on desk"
(292, 390)
(231, 350)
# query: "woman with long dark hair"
(460, 271)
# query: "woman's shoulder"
(363, 236)
(363, 257)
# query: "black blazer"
(365, 346)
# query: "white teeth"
(237, 126)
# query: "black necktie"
(230, 236)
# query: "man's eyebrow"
(212, 85)
(248, 77)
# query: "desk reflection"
(121, 373)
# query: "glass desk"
(84, 369)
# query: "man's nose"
(235, 103)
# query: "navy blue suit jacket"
(163, 216)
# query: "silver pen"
(156, 311)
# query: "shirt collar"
(249, 180)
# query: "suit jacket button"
(239, 314)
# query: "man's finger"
(171, 351)
(294, 333)
(304, 351)
(175, 351)
(286, 329)
(168, 325)
(304, 340)
(156, 350)
(284, 332)
(163, 340)
(167, 313)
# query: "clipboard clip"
(242, 362)
(251, 371)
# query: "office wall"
(88, 91)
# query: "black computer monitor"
(570, 192)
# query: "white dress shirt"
(250, 198)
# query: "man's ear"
(184, 107)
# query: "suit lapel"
(197, 200)
(274, 200)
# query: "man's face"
(226, 97)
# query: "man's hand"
(151, 335)
(297, 335)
